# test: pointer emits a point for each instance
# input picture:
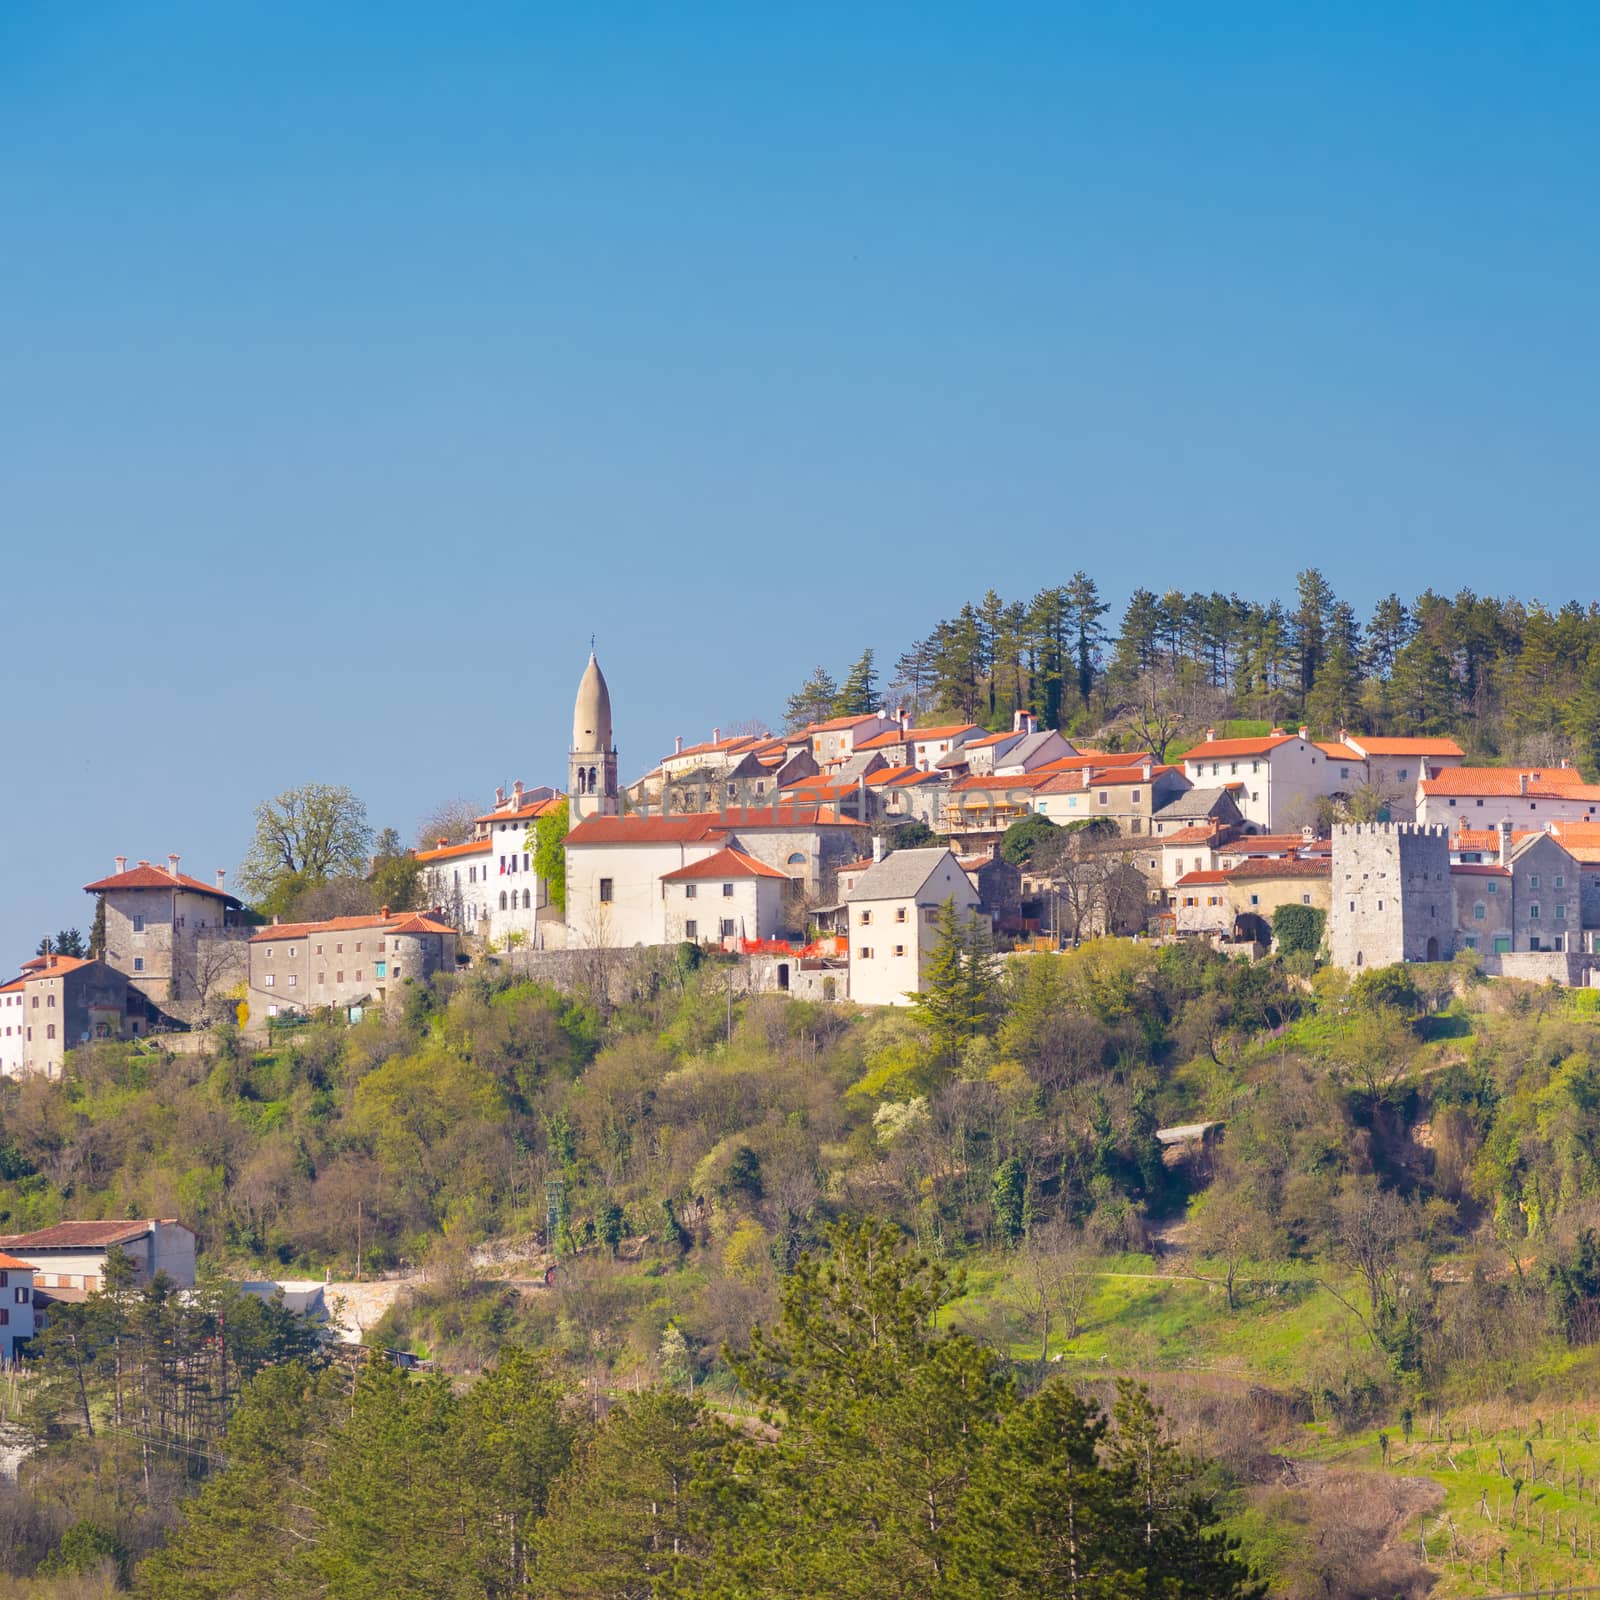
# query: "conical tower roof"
(591, 715)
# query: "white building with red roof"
(724, 897)
(72, 1255)
(1529, 797)
(1281, 776)
(17, 1321)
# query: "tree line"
(1515, 678)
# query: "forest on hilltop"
(1511, 680)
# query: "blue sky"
(357, 362)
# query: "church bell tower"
(592, 763)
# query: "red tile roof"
(1338, 752)
(448, 852)
(148, 877)
(1226, 749)
(50, 967)
(1193, 879)
(1481, 869)
(736, 741)
(81, 1235)
(948, 731)
(397, 922)
(1268, 844)
(726, 863)
(14, 1264)
(1544, 783)
(997, 785)
(1278, 867)
(1195, 835)
(834, 725)
(534, 808)
(882, 741)
(1408, 747)
(690, 827)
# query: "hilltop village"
(819, 861)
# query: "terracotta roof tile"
(1279, 867)
(1192, 879)
(449, 852)
(82, 1235)
(1227, 749)
(14, 1264)
(726, 863)
(534, 808)
(1544, 783)
(1479, 869)
(148, 877)
(1407, 747)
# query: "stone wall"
(1391, 896)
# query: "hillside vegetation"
(1388, 1241)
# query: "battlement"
(1416, 830)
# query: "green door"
(1502, 944)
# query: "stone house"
(345, 964)
(58, 1003)
(1200, 904)
(1129, 797)
(179, 941)
(1199, 808)
(1256, 888)
(893, 914)
(1392, 899)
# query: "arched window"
(50, 1032)
(583, 778)
(502, 899)
(594, 781)
(798, 859)
(527, 899)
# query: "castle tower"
(1392, 897)
(592, 761)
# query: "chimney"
(1522, 783)
(904, 719)
(122, 863)
(1211, 734)
(142, 862)
(716, 736)
(1016, 720)
(1277, 733)
(1088, 776)
(1308, 834)
(275, 919)
(516, 793)
(172, 864)
(1147, 771)
(877, 847)
(383, 911)
(1344, 734)
(1505, 841)
(499, 797)
(222, 876)
(442, 843)
(1304, 734)
(1565, 764)
(677, 745)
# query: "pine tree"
(882, 1419)
(620, 1518)
(858, 696)
(957, 1000)
(812, 701)
(1136, 639)
(1086, 608)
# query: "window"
(727, 927)
(1305, 899)
(50, 1032)
(322, 977)
(1533, 912)
(338, 977)
(293, 980)
(691, 891)
(319, 949)
(272, 1011)
(1533, 880)
(1453, 802)
(338, 949)
(691, 929)
(1102, 797)
(727, 891)
(864, 918)
(358, 974)
(268, 981)
(1255, 899)
(358, 947)
(396, 972)
(1135, 797)
(50, 1002)
(138, 924)
(1479, 911)
(798, 859)
(138, 963)
(1493, 888)
(23, 1295)
(502, 899)
(899, 913)
(1559, 881)
(1561, 913)
(899, 949)
(1470, 940)
(864, 953)
(605, 891)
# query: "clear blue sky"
(356, 362)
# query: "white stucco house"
(723, 898)
(16, 1305)
(893, 914)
